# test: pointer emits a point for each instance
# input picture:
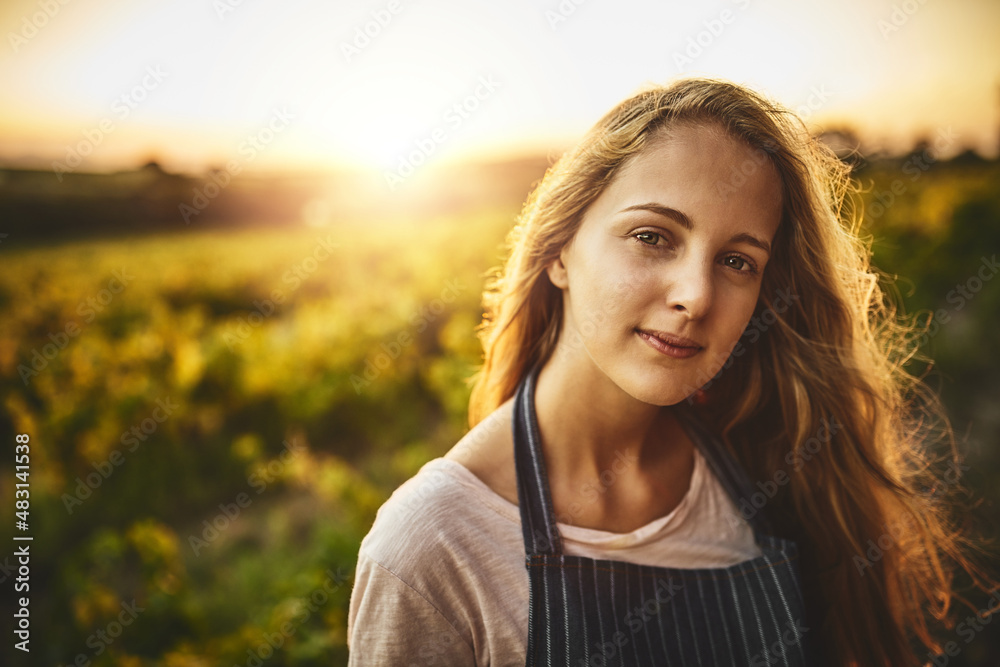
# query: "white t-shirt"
(441, 577)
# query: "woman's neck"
(614, 463)
(588, 423)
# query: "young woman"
(692, 439)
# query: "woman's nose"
(692, 289)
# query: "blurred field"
(215, 417)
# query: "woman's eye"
(738, 263)
(647, 238)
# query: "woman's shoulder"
(446, 511)
(487, 451)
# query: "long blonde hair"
(835, 355)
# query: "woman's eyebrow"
(743, 237)
(665, 211)
(685, 222)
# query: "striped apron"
(587, 612)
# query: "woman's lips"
(669, 344)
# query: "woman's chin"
(660, 394)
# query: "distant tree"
(968, 157)
(845, 143)
(153, 166)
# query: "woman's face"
(665, 269)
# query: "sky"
(300, 84)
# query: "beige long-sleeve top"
(441, 577)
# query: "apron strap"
(538, 523)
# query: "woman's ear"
(557, 272)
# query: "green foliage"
(215, 419)
(941, 237)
